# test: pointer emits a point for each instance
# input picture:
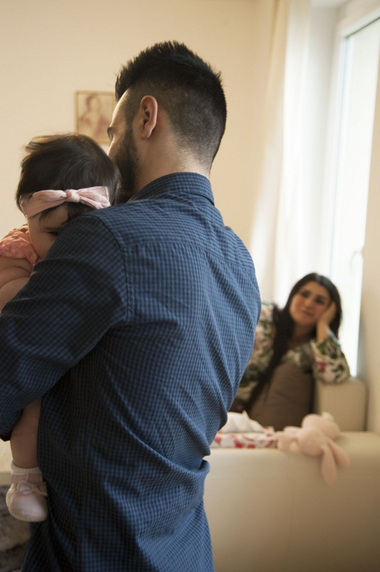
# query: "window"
(351, 169)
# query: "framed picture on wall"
(93, 114)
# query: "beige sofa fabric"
(346, 402)
(270, 510)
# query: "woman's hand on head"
(328, 316)
(323, 324)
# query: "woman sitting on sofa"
(293, 348)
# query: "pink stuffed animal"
(315, 438)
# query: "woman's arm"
(330, 364)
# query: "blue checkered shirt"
(136, 329)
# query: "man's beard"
(127, 161)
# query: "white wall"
(49, 49)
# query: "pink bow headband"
(95, 197)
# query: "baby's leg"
(24, 437)
(26, 497)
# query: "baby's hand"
(13, 268)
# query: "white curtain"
(280, 225)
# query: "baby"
(62, 177)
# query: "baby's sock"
(15, 470)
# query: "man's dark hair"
(189, 90)
(66, 161)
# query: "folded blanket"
(242, 432)
(241, 423)
(265, 440)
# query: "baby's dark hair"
(65, 161)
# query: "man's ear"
(148, 113)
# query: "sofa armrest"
(345, 402)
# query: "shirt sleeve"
(72, 298)
(329, 364)
(261, 352)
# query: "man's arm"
(74, 295)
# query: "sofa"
(270, 511)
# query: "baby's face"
(44, 231)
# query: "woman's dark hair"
(331, 289)
(284, 326)
(187, 87)
(66, 161)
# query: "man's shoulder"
(142, 219)
(156, 221)
(127, 219)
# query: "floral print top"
(325, 359)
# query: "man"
(137, 339)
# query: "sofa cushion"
(287, 399)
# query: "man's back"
(155, 324)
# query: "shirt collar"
(191, 183)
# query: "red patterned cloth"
(265, 440)
(17, 244)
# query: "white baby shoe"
(26, 498)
